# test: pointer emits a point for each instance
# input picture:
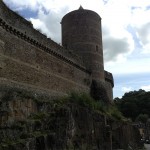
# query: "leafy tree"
(142, 118)
(134, 103)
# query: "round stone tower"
(81, 33)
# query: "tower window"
(96, 48)
(66, 46)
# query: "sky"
(126, 34)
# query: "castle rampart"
(23, 28)
(24, 62)
(30, 59)
(35, 43)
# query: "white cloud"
(118, 42)
(144, 37)
(131, 66)
(146, 87)
(49, 23)
(117, 17)
(126, 89)
(141, 23)
(117, 48)
(22, 4)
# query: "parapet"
(109, 78)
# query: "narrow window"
(96, 48)
(66, 46)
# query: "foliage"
(142, 118)
(134, 103)
(38, 116)
(7, 96)
(81, 99)
(115, 113)
(87, 101)
(11, 144)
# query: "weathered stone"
(99, 91)
(61, 126)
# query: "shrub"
(115, 113)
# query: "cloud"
(144, 32)
(117, 48)
(141, 23)
(146, 87)
(144, 37)
(121, 42)
(49, 23)
(22, 4)
(126, 89)
(131, 66)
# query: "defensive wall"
(30, 60)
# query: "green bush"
(115, 113)
(82, 99)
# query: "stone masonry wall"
(25, 63)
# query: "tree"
(142, 118)
(134, 103)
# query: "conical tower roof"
(80, 8)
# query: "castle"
(31, 61)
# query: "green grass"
(87, 101)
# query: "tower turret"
(81, 32)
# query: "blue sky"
(126, 34)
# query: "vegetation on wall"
(53, 119)
(87, 101)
